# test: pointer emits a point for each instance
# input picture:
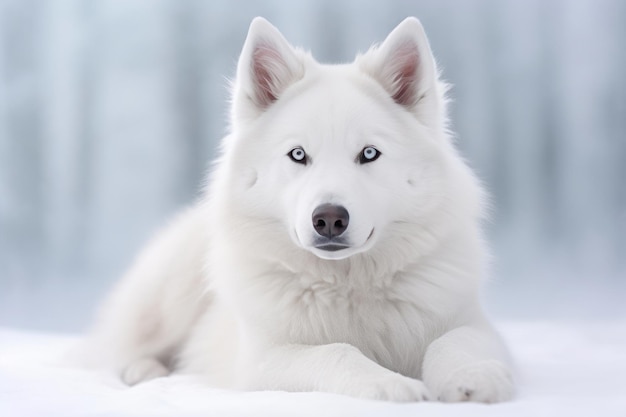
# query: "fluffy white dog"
(337, 248)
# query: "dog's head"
(341, 156)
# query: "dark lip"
(337, 245)
(332, 247)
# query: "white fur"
(236, 288)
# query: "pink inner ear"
(405, 74)
(266, 63)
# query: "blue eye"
(368, 154)
(298, 155)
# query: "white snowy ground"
(566, 369)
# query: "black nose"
(330, 220)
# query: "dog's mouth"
(332, 247)
(338, 248)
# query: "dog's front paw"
(487, 381)
(393, 387)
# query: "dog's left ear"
(404, 65)
(268, 64)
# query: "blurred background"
(111, 110)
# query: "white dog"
(338, 246)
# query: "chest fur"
(387, 319)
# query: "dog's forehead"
(336, 99)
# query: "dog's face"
(337, 154)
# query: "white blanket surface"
(565, 369)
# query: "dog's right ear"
(404, 66)
(267, 66)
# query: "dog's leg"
(152, 310)
(337, 368)
(468, 364)
(143, 369)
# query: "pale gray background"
(110, 112)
